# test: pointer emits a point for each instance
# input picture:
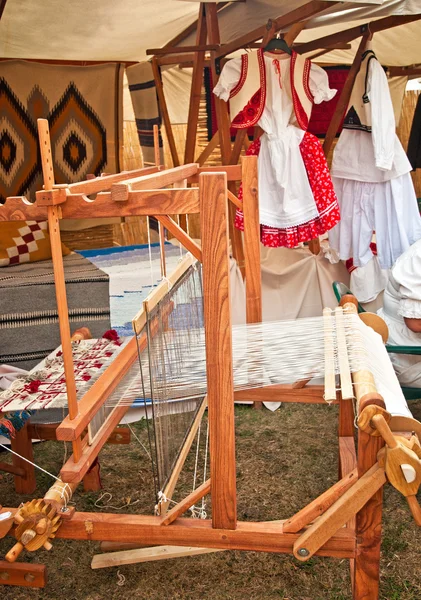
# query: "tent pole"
(196, 88)
(345, 96)
(223, 121)
(164, 112)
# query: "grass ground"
(284, 460)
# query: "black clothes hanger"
(278, 43)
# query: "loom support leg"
(368, 526)
(22, 445)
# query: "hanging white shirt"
(377, 156)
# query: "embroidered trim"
(300, 114)
(306, 80)
(244, 68)
(258, 99)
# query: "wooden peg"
(14, 552)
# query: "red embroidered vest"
(247, 99)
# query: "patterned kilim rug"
(84, 108)
(133, 272)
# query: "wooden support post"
(22, 445)
(59, 279)
(92, 479)
(196, 88)
(223, 120)
(161, 227)
(217, 313)
(252, 239)
(344, 97)
(252, 243)
(368, 526)
(164, 112)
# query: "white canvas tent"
(122, 30)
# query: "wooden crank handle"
(379, 422)
(14, 552)
(415, 509)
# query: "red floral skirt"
(324, 197)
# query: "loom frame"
(359, 541)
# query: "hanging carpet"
(83, 106)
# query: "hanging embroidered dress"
(371, 175)
(297, 201)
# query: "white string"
(30, 462)
(136, 437)
(65, 492)
(109, 496)
(180, 245)
(121, 579)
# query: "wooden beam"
(184, 60)
(223, 120)
(21, 443)
(172, 482)
(355, 32)
(368, 524)
(311, 394)
(140, 202)
(183, 49)
(100, 184)
(96, 396)
(186, 503)
(181, 236)
(164, 112)
(53, 216)
(76, 63)
(259, 537)
(211, 146)
(8, 468)
(335, 517)
(233, 172)
(142, 555)
(2, 7)
(318, 506)
(411, 71)
(22, 574)
(252, 240)
(196, 88)
(218, 335)
(120, 191)
(304, 12)
(344, 97)
(191, 28)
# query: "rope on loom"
(66, 491)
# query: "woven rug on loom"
(133, 273)
(83, 106)
(29, 328)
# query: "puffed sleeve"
(406, 274)
(383, 127)
(319, 85)
(228, 79)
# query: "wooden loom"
(344, 522)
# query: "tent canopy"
(124, 30)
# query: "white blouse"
(378, 156)
(230, 76)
